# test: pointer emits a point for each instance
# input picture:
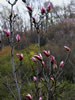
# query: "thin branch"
(7, 86)
(12, 3)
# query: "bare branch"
(7, 86)
(12, 3)
(24, 1)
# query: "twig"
(7, 86)
(11, 48)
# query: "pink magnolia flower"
(67, 48)
(40, 98)
(29, 96)
(39, 57)
(33, 59)
(55, 66)
(18, 37)
(20, 56)
(47, 53)
(49, 7)
(52, 79)
(61, 64)
(35, 79)
(29, 8)
(6, 32)
(43, 63)
(41, 78)
(42, 11)
(52, 59)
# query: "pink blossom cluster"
(48, 9)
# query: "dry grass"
(5, 50)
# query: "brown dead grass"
(5, 50)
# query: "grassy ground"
(66, 91)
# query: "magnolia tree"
(48, 73)
(10, 39)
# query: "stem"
(10, 90)
(46, 21)
(67, 57)
(12, 55)
(49, 68)
(31, 22)
(38, 43)
(37, 90)
(55, 88)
